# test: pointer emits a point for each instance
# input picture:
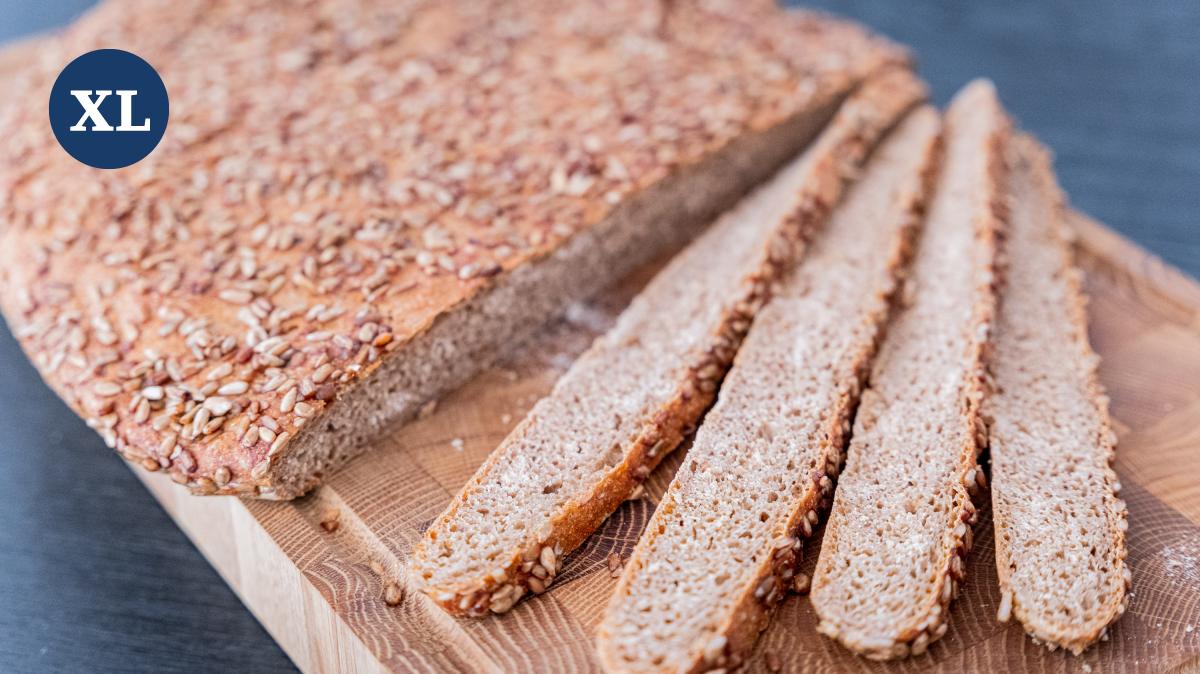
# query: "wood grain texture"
(315, 571)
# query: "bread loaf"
(630, 398)
(722, 547)
(1060, 528)
(892, 555)
(358, 205)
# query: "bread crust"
(1027, 155)
(930, 621)
(775, 576)
(280, 247)
(865, 117)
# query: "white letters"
(91, 110)
(127, 112)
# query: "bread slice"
(358, 205)
(1060, 528)
(722, 547)
(892, 555)
(630, 399)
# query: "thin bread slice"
(1060, 528)
(892, 555)
(630, 399)
(722, 547)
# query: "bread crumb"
(329, 521)
(392, 594)
(457, 444)
(506, 418)
(802, 583)
(614, 564)
(1087, 667)
(427, 409)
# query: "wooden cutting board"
(315, 571)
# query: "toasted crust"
(739, 620)
(336, 183)
(835, 158)
(1089, 443)
(927, 620)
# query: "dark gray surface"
(95, 577)
(19, 18)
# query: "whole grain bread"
(358, 205)
(892, 555)
(631, 398)
(1060, 528)
(723, 545)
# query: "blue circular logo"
(108, 108)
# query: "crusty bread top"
(334, 179)
(711, 560)
(890, 557)
(1060, 529)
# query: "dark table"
(95, 577)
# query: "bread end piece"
(251, 304)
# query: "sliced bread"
(892, 554)
(722, 547)
(358, 205)
(1060, 528)
(631, 398)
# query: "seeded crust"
(633, 396)
(379, 192)
(1060, 527)
(892, 555)
(723, 546)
